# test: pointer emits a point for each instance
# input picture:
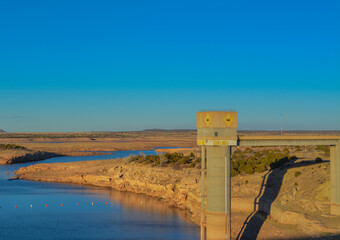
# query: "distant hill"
(1, 130)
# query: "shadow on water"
(270, 188)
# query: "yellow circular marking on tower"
(228, 120)
(207, 120)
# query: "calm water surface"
(60, 211)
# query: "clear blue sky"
(132, 65)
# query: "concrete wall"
(335, 179)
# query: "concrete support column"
(203, 192)
(216, 191)
(228, 191)
(216, 133)
(335, 179)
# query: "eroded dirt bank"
(297, 194)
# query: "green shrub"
(279, 162)
(248, 150)
(130, 158)
(234, 172)
(258, 154)
(10, 146)
(260, 168)
(249, 162)
(246, 162)
(185, 160)
(242, 168)
(297, 173)
(163, 160)
(175, 160)
(249, 169)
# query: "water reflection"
(143, 203)
(65, 211)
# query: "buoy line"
(61, 204)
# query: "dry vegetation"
(86, 143)
(174, 160)
(95, 135)
(245, 160)
(10, 146)
(78, 144)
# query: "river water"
(39, 210)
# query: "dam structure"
(217, 136)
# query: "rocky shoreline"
(181, 189)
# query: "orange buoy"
(15, 206)
(107, 203)
(45, 205)
(77, 204)
(121, 202)
(61, 204)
